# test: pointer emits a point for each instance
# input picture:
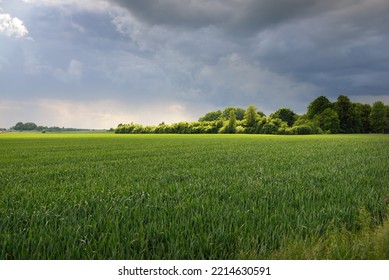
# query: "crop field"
(105, 196)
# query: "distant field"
(105, 196)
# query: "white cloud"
(12, 26)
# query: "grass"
(105, 196)
(340, 243)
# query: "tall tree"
(286, 115)
(387, 119)
(345, 110)
(378, 117)
(361, 118)
(317, 106)
(329, 121)
(239, 113)
(250, 116)
(231, 127)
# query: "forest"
(322, 116)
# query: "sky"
(98, 63)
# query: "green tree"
(219, 124)
(329, 121)
(19, 126)
(260, 124)
(231, 127)
(361, 118)
(239, 113)
(302, 129)
(211, 116)
(317, 106)
(285, 114)
(387, 119)
(378, 117)
(261, 114)
(25, 126)
(273, 126)
(303, 121)
(250, 116)
(345, 110)
(30, 126)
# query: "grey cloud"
(180, 13)
(231, 14)
(242, 82)
(334, 45)
(341, 51)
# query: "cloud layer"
(194, 55)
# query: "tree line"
(30, 126)
(322, 116)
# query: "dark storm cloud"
(334, 45)
(179, 13)
(249, 14)
(343, 51)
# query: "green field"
(105, 196)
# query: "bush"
(303, 129)
(284, 130)
(240, 129)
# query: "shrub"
(240, 129)
(303, 129)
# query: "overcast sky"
(97, 63)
